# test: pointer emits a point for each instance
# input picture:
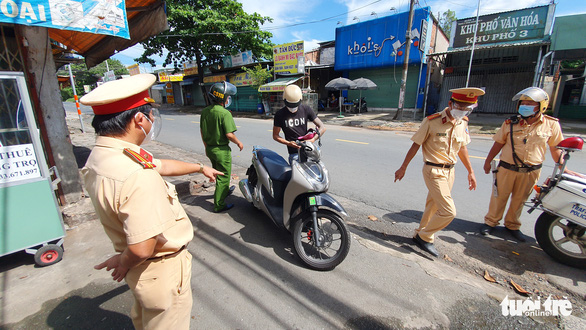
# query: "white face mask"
(153, 132)
(459, 114)
(293, 110)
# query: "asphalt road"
(362, 164)
(245, 275)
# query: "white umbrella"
(340, 84)
(363, 83)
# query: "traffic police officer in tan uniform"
(140, 212)
(522, 141)
(443, 137)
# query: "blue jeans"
(292, 157)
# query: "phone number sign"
(18, 163)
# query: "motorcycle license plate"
(312, 201)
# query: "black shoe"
(231, 190)
(425, 246)
(517, 234)
(226, 208)
(485, 229)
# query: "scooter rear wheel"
(335, 240)
(563, 240)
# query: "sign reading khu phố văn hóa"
(92, 16)
(519, 25)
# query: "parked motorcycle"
(360, 105)
(294, 197)
(560, 229)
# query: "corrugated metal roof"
(483, 47)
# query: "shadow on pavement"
(91, 307)
(499, 250)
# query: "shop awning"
(187, 81)
(146, 18)
(278, 85)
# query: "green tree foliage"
(83, 76)
(206, 31)
(572, 64)
(445, 20)
(259, 76)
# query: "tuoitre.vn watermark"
(530, 307)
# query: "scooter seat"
(276, 165)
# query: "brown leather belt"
(448, 166)
(167, 256)
(520, 169)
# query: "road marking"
(352, 141)
(269, 130)
(477, 157)
(238, 126)
(195, 122)
(168, 118)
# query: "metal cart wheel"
(48, 255)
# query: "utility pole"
(399, 114)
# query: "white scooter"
(294, 197)
(560, 229)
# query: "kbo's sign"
(520, 25)
(380, 42)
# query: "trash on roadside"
(372, 217)
(519, 288)
(515, 253)
(488, 277)
(447, 258)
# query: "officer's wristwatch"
(200, 167)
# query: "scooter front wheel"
(562, 239)
(335, 241)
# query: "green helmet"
(219, 92)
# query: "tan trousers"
(516, 185)
(439, 206)
(162, 293)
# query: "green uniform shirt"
(215, 123)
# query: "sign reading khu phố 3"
(92, 16)
(520, 25)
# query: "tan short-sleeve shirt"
(441, 139)
(531, 141)
(134, 203)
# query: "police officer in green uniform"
(217, 130)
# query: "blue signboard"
(92, 16)
(381, 42)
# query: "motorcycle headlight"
(317, 175)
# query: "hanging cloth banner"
(92, 16)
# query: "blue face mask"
(526, 110)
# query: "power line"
(278, 27)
